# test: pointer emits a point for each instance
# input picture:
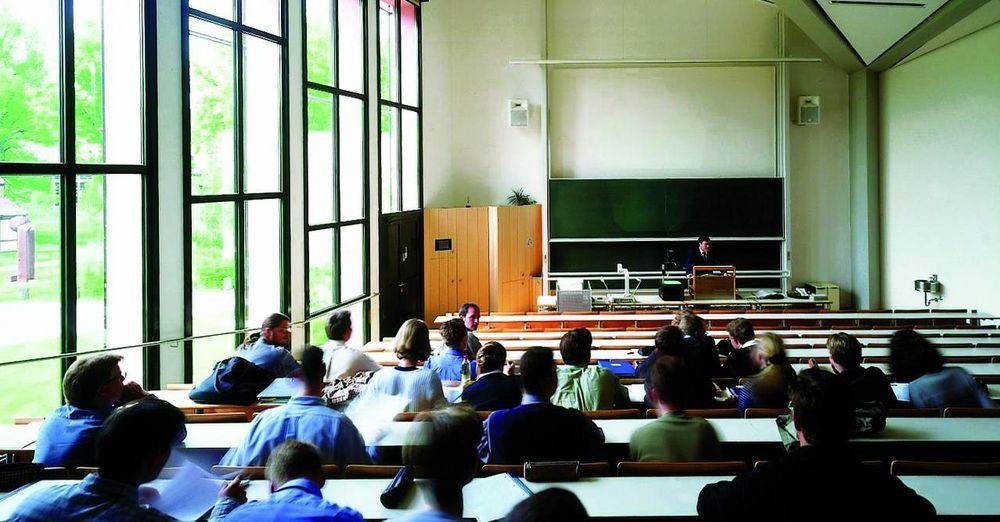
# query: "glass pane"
(213, 276)
(321, 269)
(263, 14)
(29, 81)
(108, 81)
(319, 41)
(389, 143)
(388, 69)
(89, 81)
(262, 115)
(109, 266)
(317, 331)
(320, 167)
(352, 173)
(352, 257)
(212, 107)
(263, 260)
(411, 160)
(410, 50)
(222, 8)
(30, 293)
(351, 44)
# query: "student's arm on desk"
(232, 495)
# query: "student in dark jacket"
(688, 352)
(494, 389)
(538, 430)
(823, 412)
(701, 357)
(867, 384)
(736, 348)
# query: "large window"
(74, 190)
(336, 160)
(399, 105)
(237, 171)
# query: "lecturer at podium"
(700, 256)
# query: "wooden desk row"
(606, 497)
(933, 334)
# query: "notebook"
(619, 368)
(280, 390)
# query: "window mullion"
(67, 185)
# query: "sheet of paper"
(902, 391)
(491, 498)
(188, 495)
(281, 388)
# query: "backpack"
(233, 381)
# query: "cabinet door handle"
(406, 253)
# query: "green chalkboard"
(620, 208)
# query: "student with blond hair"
(420, 388)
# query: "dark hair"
(575, 346)
(464, 309)
(702, 239)
(740, 329)
(338, 324)
(912, 356)
(669, 341)
(272, 321)
(492, 356)
(689, 322)
(537, 369)
(291, 460)
(670, 380)
(136, 432)
(313, 367)
(844, 349)
(549, 504)
(413, 341)
(823, 406)
(446, 449)
(85, 376)
(452, 332)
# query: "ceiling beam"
(815, 24)
(946, 16)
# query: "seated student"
(307, 418)
(867, 384)
(469, 313)
(295, 473)
(914, 360)
(343, 360)
(700, 348)
(674, 436)
(92, 387)
(768, 387)
(736, 348)
(419, 387)
(538, 429)
(448, 364)
(549, 504)
(581, 385)
(493, 389)
(446, 452)
(823, 413)
(269, 347)
(132, 447)
(668, 341)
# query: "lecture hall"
(525, 260)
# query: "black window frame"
(399, 106)
(68, 169)
(239, 197)
(336, 224)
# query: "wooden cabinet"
(485, 255)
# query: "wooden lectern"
(707, 285)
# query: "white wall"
(819, 171)
(469, 149)
(940, 167)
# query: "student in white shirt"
(419, 387)
(343, 360)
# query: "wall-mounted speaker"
(518, 113)
(808, 113)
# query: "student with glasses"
(92, 388)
